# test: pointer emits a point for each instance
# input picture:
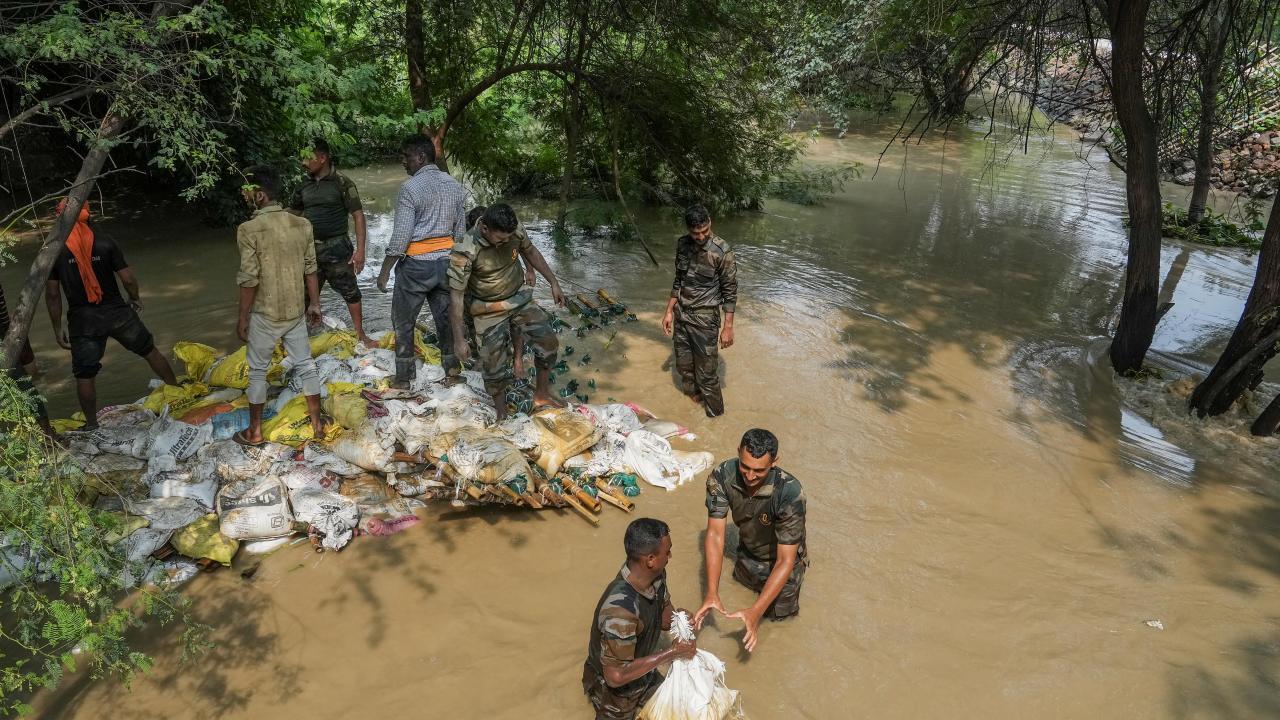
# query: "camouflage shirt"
(773, 516)
(706, 275)
(486, 271)
(627, 623)
(327, 202)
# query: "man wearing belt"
(431, 215)
(486, 266)
(768, 506)
(326, 200)
(621, 671)
(706, 282)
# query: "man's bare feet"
(541, 400)
(368, 341)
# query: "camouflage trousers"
(494, 323)
(754, 573)
(697, 346)
(610, 703)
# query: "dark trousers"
(418, 282)
(697, 345)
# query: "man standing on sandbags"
(277, 260)
(430, 216)
(86, 272)
(486, 266)
(768, 506)
(621, 671)
(706, 283)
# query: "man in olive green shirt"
(277, 257)
(486, 266)
(327, 199)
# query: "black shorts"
(92, 326)
(342, 276)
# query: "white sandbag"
(374, 365)
(614, 417)
(459, 406)
(321, 458)
(233, 461)
(608, 456)
(479, 456)
(412, 425)
(650, 457)
(108, 463)
(192, 480)
(254, 509)
(425, 376)
(693, 463)
(331, 369)
(304, 475)
(177, 439)
(125, 415)
(694, 689)
(520, 430)
(365, 447)
(474, 380)
(172, 573)
(335, 517)
(665, 428)
(262, 547)
(142, 542)
(131, 440)
(168, 513)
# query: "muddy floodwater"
(997, 529)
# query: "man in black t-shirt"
(96, 311)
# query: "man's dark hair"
(760, 442)
(643, 537)
(473, 215)
(266, 179)
(696, 216)
(501, 217)
(320, 146)
(421, 145)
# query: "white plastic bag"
(366, 447)
(233, 461)
(694, 689)
(614, 417)
(650, 456)
(168, 513)
(131, 440)
(249, 509)
(412, 425)
(195, 481)
(521, 431)
(333, 515)
(321, 458)
(177, 439)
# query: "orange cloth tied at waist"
(427, 245)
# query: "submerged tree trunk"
(90, 168)
(571, 132)
(1268, 421)
(1211, 57)
(1138, 311)
(1251, 341)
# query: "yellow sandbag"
(232, 371)
(479, 456)
(429, 353)
(128, 523)
(562, 433)
(197, 357)
(178, 398)
(339, 343)
(202, 539)
(292, 425)
(75, 422)
(346, 405)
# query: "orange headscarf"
(80, 243)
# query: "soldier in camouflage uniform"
(706, 282)
(768, 507)
(621, 671)
(326, 200)
(485, 265)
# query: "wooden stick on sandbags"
(610, 494)
(578, 507)
(580, 494)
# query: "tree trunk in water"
(1268, 421)
(54, 241)
(1210, 74)
(1138, 316)
(571, 149)
(1260, 317)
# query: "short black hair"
(320, 146)
(696, 216)
(473, 215)
(643, 537)
(501, 217)
(759, 442)
(266, 179)
(421, 145)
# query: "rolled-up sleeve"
(250, 271)
(728, 282)
(404, 220)
(459, 270)
(717, 498)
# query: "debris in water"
(1155, 624)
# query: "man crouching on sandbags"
(486, 266)
(621, 671)
(768, 506)
(277, 259)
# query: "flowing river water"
(993, 523)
